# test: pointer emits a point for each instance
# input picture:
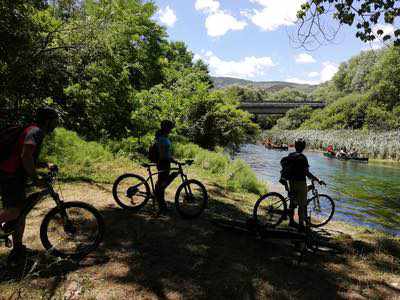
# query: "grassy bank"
(90, 161)
(382, 145)
(148, 257)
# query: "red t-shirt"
(32, 135)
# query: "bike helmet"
(46, 113)
(167, 124)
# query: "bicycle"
(271, 209)
(132, 192)
(71, 229)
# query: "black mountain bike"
(271, 209)
(71, 229)
(132, 192)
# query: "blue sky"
(249, 39)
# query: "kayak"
(276, 147)
(361, 159)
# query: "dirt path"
(144, 257)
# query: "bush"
(295, 117)
(81, 160)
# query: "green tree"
(294, 118)
(32, 57)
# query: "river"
(366, 194)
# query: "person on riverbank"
(15, 169)
(330, 150)
(297, 177)
(164, 160)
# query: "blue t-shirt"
(167, 145)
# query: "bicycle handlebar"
(53, 171)
(320, 182)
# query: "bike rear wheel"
(72, 230)
(191, 199)
(320, 211)
(270, 210)
(131, 191)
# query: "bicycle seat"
(189, 162)
(144, 165)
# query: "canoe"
(276, 147)
(360, 159)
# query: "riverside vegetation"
(114, 75)
(168, 257)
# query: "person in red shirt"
(329, 149)
(14, 171)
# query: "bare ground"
(149, 257)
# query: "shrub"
(81, 160)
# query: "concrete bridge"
(276, 108)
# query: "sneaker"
(8, 227)
(302, 229)
(164, 210)
(16, 256)
(293, 224)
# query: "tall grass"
(82, 160)
(374, 144)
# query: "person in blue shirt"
(165, 177)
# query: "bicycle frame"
(151, 174)
(34, 199)
(314, 199)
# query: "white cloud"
(328, 70)
(274, 13)
(248, 67)
(207, 5)
(304, 58)
(220, 23)
(167, 16)
(388, 29)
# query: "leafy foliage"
(294, 118)
(111, 71)
(368, 16)
(364, 93)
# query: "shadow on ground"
(171, 258)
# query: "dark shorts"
(12, 191)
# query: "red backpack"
(8, 140)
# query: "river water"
(366, 194)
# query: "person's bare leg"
(302, 214)
(18, 235)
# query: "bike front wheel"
(73, 230)
(320, 210)
(131, 192)
(270, 210)
(191, 199)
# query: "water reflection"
(365, 194)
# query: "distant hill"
(273, 86)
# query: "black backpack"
(8, 140)
(153, 154)
(288, 165)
